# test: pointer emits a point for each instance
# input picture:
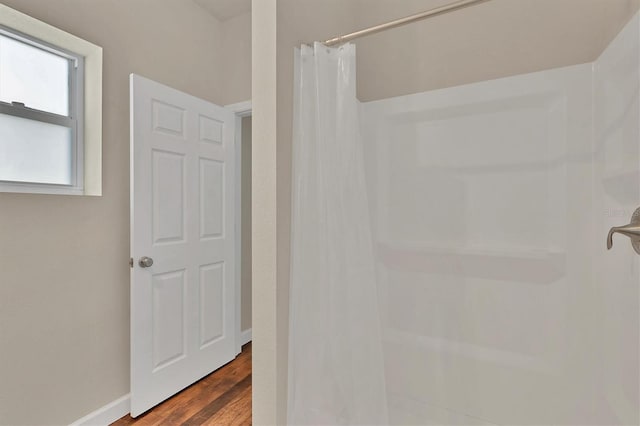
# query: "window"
(50, 109)
(40, 113)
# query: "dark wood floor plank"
(203, 394)
(236, 413)
(222, 397)
(227, 398)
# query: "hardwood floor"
(221, 398)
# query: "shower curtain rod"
(402, 21)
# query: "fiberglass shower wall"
(490, 207)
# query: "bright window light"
(33, 76)
(33, 151)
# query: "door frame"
(241, 110)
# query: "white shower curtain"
(336, 374)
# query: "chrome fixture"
(632, 230)
(145, 262)
(461, 4)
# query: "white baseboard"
(108, 414)
(245, 337)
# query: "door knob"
(632, 230)
(145, 262)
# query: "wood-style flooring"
(221, 398)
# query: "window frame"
(73, 120)
(85, 102)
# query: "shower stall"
(487, 208)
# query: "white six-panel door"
(182, 217)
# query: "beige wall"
(237, 58)
(64, 288)
(245, 257)
(494, 39)
(490, 40)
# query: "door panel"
(212, 295)
(168, 213)
(168, 318)
(182, 306)
(211, 195)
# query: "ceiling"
(225, 9)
